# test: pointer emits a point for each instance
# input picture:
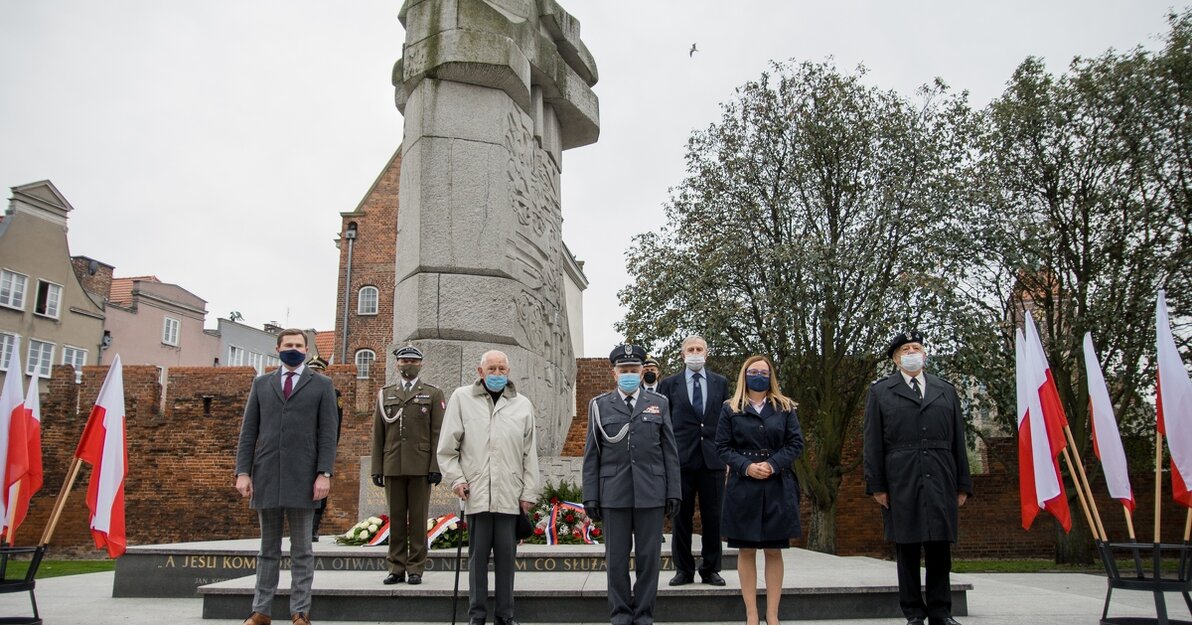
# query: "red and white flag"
(12, 410)
(1107, 441)
(1173, 402)
(1049, 396)
(103, 448)
(1040, 486)
(20, 494)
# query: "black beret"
(409, 351)
(913, 336)
(626, 354)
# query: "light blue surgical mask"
(495, 383)
(912, 362)
(628, 382)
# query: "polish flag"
(1173, 402)
(19, 495)
(1049, 397)
(103, 447)
(12, 410)
(1107, 442)
(1039, 483)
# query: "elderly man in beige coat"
(488, 453)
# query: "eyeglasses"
(757, 372)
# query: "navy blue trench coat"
(760, 510)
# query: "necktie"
(697, 395)
(629, 403)
(408, 385)
(915, 387)
(289, 385)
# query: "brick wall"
(592, 377)
(374, 254)
(182, 442)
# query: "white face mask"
(912, 362)
(694, 362)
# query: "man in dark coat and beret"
(916, 467)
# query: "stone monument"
(492, 92)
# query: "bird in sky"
(692, 52)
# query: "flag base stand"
(1147, 576)
(25, 583)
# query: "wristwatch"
(325, 474)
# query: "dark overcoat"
(915, 452)
(642, 469)
(760, 510)
(695, 434)
(285, 443)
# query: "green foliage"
(569, 522)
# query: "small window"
(169, 331)
(74, 356)
(12, 289)
(364, 361)
(235, 356)
(257, 361)
(41, 356)
(49, 299)
(366, 304)
(7, 341)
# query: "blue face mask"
(628, 382)
(495, 383)
(758, 382)
(291, 357)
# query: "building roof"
(325, 343)
(121, 291)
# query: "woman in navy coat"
(759, 439)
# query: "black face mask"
(291, 357)
(649, 377)
(410, 372)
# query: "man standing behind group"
(631, 478)
(696, 396)
(283, 465)
(488, 452)
(406, 425)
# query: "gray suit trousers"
(490, 531)
(642, 528)
(302, 559)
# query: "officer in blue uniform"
(631, 480)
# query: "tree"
(817, 218)
(1083, 215)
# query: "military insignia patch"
(652, 410)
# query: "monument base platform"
(816, 586)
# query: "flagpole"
(14, 495)
(1084, 482)
(1129, 522)
(71, 475)
(1188, 525)
(1080, 495)
(1158, 480)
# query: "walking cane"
(459, 548)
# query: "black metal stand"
(1147, 578)
(21, 584)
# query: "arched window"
(366, 302)
(364, 361)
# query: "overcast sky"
(205, 142)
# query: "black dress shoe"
(506, 621)
(914, 621)
(396, 578)
(712, 578)
(681, 579)
(476, 621)
(951, 621)
(314, 539)
(415, 579)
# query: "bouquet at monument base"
(367, 532)
(559, 519)
(446, 531)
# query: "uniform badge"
(652, 410)
(628, 350)
(424, 410)
(909, 337)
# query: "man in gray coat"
(631, 479)
(283, 465)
